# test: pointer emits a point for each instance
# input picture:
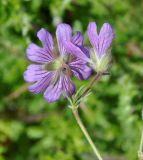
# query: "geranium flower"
(100, 53)
(53, 69)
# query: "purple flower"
(52, 71)
(100, 53)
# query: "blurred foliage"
(32, 129)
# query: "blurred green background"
(32, 129)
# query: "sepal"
(101, 64)
(78, 97)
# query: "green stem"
(76, 115)
(93, 81)
(141, 144)
(140, 152)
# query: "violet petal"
(63, 33)
(76, 51)
(47, 41)
(106, 36)
(41, 85)
(37, 54)
(80, 69)
(68, 86)
(93, 35)
(34, 72)
(77, 39)
(102, 41)
(53, 92)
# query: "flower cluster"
(53, 67)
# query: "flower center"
(59, 64)
(66, 69)
(51, 66)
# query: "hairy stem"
(77, 117)
(140, 152)
(93, 81)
